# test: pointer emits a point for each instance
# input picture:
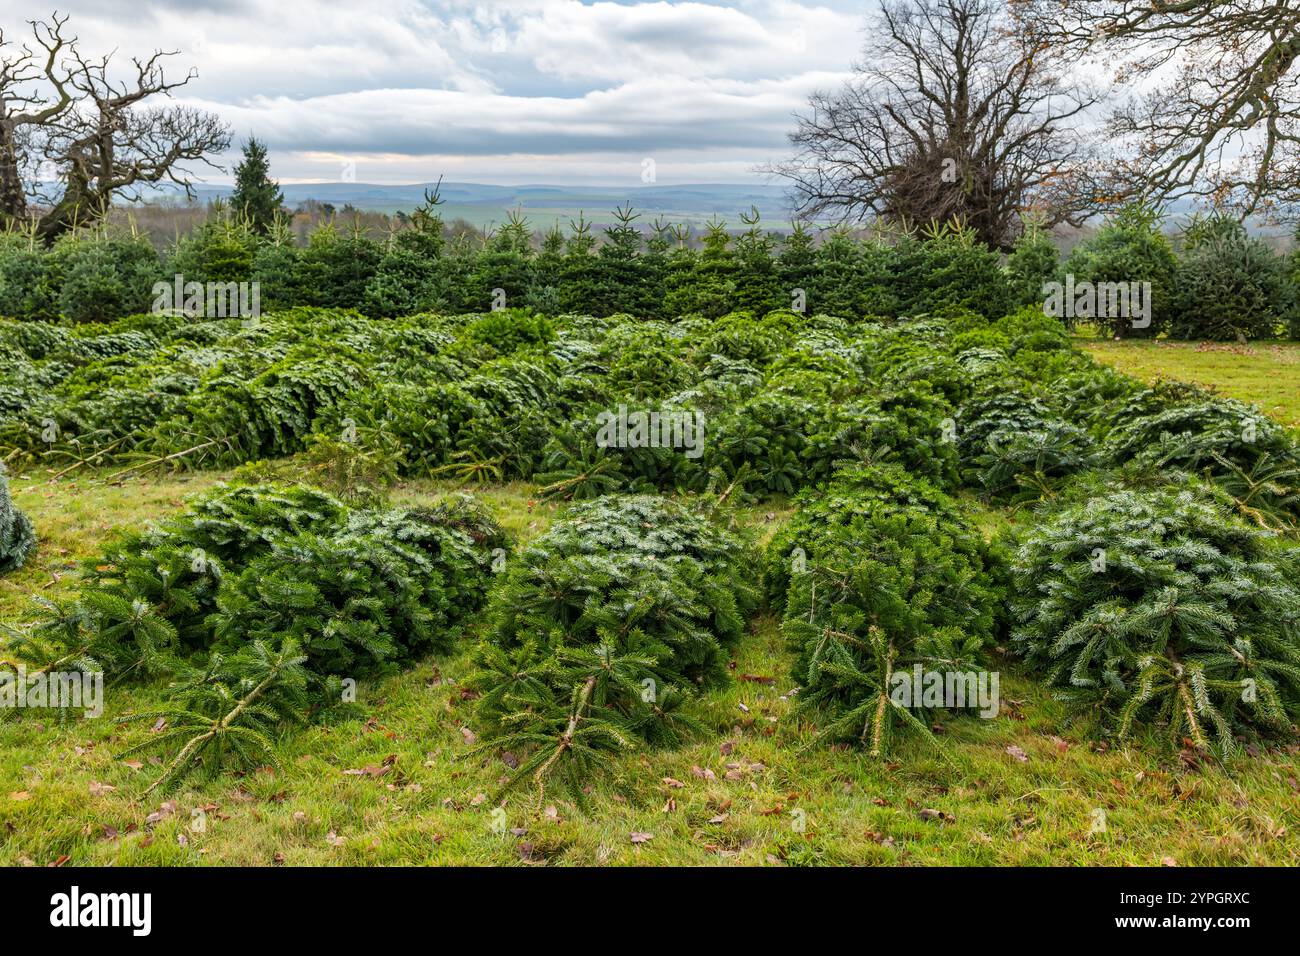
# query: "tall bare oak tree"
(959, 109)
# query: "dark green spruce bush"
(1033, 263)
(953, 270)
(1231, 286)
(1129, 248)
(384, 588)
(25, 290)
(100, 279)
(221, 249)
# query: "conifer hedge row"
(1213, 281)
(652, 274)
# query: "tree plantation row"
(1221, 283)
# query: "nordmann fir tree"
(622, 277)
(259, 601)
(409, 277)
(602, 630)
(879, 573)
(579, 279)
(758, 285)
(17, 540)
(257, 197)
(1162, 608)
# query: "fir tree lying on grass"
(877, 573)
(17, 539)
(356, 587)
(1017, 449)
(276, 588)
(228, 712)
(602, 629)
(858, 489)
(1161, 607)
(386, 587)
(1245, 451)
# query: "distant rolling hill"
(543, 205)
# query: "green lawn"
(1266, 373)
(394, 787)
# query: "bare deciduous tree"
(65, 115)
(959, 109)
(26, 102)
(1214, 111)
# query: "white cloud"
(547, 86)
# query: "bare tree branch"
(959, 110)
(1213, 109)
(63, 111)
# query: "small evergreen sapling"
(408, 278)
(1032, 264)
(503, 273)
(709, 289)
(1017, 449)
(621, 269)
(1130, 248)
(758, 284)
(386, 588)
(796, 265)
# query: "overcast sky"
(526, 91)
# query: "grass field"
(393, 788)
(1265, 373)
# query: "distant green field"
(1266, 373)
(546, 205)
